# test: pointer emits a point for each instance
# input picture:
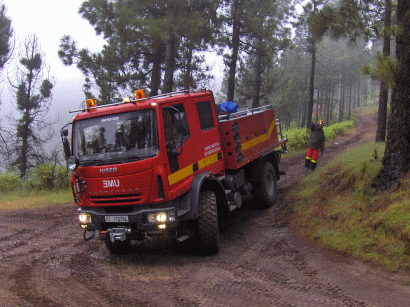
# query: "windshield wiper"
(92, 162)
(123, 159)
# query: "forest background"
(291, 54)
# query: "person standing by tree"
(316, 144)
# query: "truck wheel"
(208, 230)
(266, 189)
(118, 247)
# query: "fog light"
(161, 217)
(84, 218)
(171, 217)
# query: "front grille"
(118, 209)
(113, 199)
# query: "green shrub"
(62, 177)
(338, 129)
(10, 181)
(298, 138)
(48, 176)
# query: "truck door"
(209, 141)
(180, 145)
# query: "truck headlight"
(84, 218)
(161, 217)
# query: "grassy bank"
(34, 199)
(337, 207)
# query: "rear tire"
(208, 228)
(266, 190)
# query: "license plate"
(116, 219)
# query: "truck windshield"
(116, 138)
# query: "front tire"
(266, 190)
(208, 227)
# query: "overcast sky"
(50, 20)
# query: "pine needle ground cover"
(338, 207)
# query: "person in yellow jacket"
(316, 144)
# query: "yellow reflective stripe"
(262, 138)
(308, 158)
(314, 161)
(189, 170)
(201, 164)
(273, 125)
(211, 159)
(255, 141)
(181, 174)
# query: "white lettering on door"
(212, 149)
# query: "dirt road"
(262, 262)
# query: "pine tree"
(33, 99)
(263, 29)
(6, 35)
(396, 161)
(6, 48)
(384, 86)
(147, 42)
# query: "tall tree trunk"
(236, 32)
(299, 112)
(340, 117)
(316, 107)
(24, 144)
(349, 106)
(187, 77)
(396, 161)
(156, 71)
(327, 118)
(384, 89)
(311, 86)
(258, 73)
(169, 63)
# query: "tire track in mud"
(23, 288)
(257, 265)
(266, 269)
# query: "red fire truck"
(169, 164)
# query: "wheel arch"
(207, 182)
(274, 158)
(252, 170)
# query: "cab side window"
(206, 120)
(176, 125)
(176, 133)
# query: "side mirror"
(72, 163)
(66, 144)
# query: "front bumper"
(135, 218)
